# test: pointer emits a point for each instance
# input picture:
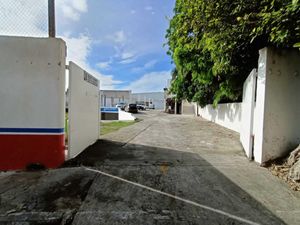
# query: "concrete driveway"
(166, 169)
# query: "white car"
(121, 105)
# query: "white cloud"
(148, 65)
(128, 61)
(68, 12)
(78, 51)
(148, 8)
(104, 65)
(127, 55)
(118, 37)
(72, 9)
(123, 56)
(80, 5)
(150, 82)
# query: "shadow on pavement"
(138, 184)
(50, 197)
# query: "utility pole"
(51, 18)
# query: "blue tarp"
(109, 109)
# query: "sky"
(119, 41)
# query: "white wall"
(124, 116)
(226, 115)
(259, 108)
(32, 102)
(32, 86)
(157, 98)
(246, 131)
(276, 112)
(277, 106)
(84, 113)
(187, 108)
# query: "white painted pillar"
(276, 117)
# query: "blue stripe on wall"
(32, 130)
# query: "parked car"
(121, 105)
(141, 107)
(132, 108)
(151, 106)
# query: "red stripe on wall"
(19, 151)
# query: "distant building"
(150, 99)
(110, 98)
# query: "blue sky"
(120, 40)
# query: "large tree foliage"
(214, 43)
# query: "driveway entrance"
(166, 169)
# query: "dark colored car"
(141, 107)
(132, 108)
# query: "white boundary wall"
(273, 121)
(84, 110)
(187, 108)
(277, 111)
(227, 115)
(125, 116)
(32, 86)
(32, 102)
(246, 132)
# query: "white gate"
(84, 107)
(246, 134)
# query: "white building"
(110, 98)
(149, 99)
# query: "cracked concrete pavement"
(166, 169)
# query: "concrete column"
(276, 116)
(175, 108)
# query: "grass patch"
(108, 127)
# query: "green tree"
(214, 44)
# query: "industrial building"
(110, 98)
(149, 99)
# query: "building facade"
(150, 99)
(110, 98)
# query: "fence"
(35, 18)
